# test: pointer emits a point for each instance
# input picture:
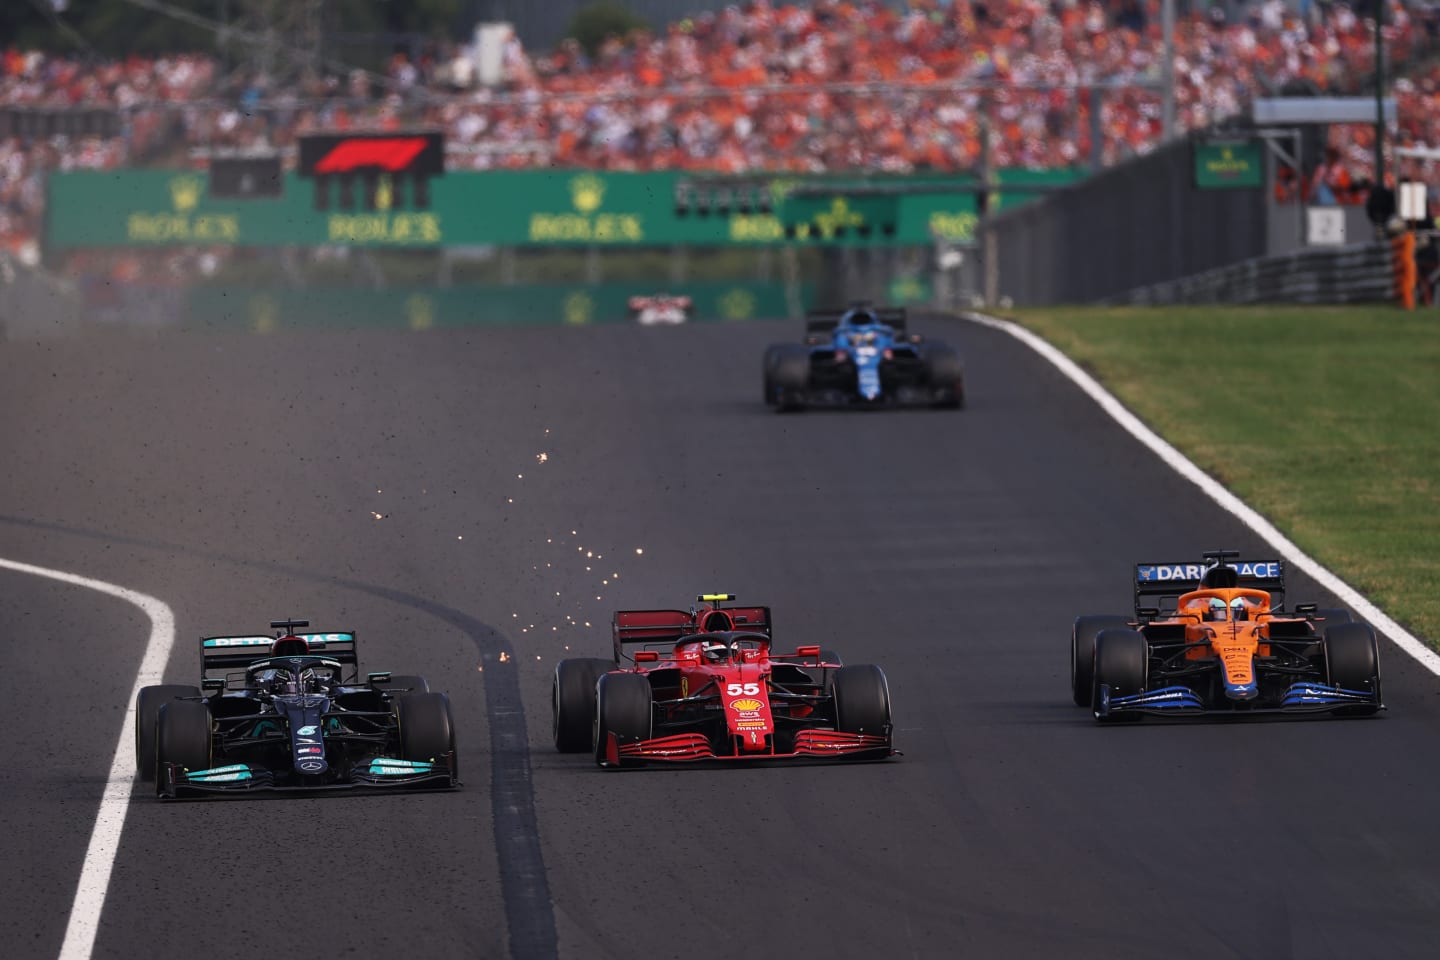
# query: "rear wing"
(1159, 585)
(231, 652)
(823, 321)
(669, 626)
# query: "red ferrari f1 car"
(706, 685)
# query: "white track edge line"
(1182, 465)
(94, 883)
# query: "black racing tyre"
(182, 735)
(572, 702)
(1331, 617)
(1352, 658)
(402, 684)
(945, 374)
(624, 706)
(830, 656)
(1082, 653)
(862, 700)
(787, 375)
(1122, 659)
(426, 729)
(147, 716)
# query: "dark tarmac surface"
(239, 479)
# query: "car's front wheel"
(147, 718)
(624, 711)
(183, 736)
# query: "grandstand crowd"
(807, 87)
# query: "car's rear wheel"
(1352, 661)
(1082, 653)
(572, 702)
(624, 707)
(862, 700)
(426, 730)
(1122, 659)
(183, 736)
(147, 717)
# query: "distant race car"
(662, 309)
(289, 712)
(862, 356)
(1214, 638)
(707, 686)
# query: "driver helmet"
(714, 651)
(1217, 609)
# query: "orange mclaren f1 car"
(706, 685)
(1215, 638)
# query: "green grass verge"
(1325, 419)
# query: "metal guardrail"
(1356, 273)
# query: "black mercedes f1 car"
(290, 712)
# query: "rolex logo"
(587, 192)
(185, 193)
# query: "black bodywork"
(300, 718)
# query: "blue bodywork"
(867, 343)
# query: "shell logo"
(746, 704)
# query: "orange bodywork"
(1234, 622)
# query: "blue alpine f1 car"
(862, 356)
(290, 712)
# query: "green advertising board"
(1222, 165)
(266, 310)
(514, 208)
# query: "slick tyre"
(1332, 616)
(147, 717)
(946, 376)
(572, 702)
(427, 731)
(1122, 659)
(862, 700)
(1082, 654)
(625, 707)
(787, 376)
(1352, 661)
(403, 684)
(182, 736)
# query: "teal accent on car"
(237, 771)
(239, 642)
(384, 766)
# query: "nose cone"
(1248, 691)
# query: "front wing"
(692, 747)
(175, 781)
(1306, 696)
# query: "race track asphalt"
(475, 503)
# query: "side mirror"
(374, 678)
(1147, 613)
(808, 652)
(216, 684)
(646, 656)
(1306, 610)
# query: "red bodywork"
(773, 706)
